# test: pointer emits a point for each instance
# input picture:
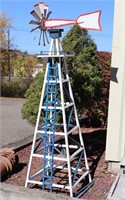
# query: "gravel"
(94, 140)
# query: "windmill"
(63, 157)
(89, 21)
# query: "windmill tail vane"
(88, 21)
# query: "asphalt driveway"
(12, 126)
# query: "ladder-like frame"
(57, 123)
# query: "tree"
(105, 62)
(83, 67)
(5, 43)
(23, 64)
(18, 65)
(29, 63)
(33, 94)
(5, 23)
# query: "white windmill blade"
(34, 22)
(35, 15)
(45, 10)
(39, 8)
(90, 21)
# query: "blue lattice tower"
(58, 144)
(50, 120)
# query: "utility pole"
(8, 53)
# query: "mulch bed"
(95, 140)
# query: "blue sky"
(19, 11)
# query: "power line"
(18, 29)
(26, 30)
(104, 35)
(21, 43)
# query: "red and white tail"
(89, 21)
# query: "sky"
(23, 39)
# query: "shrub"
(13, 89)
(33, 94)
(17, 87)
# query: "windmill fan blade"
(34, 22)
(39, 8)
(46, 37)
(35, 28)
(45, 11)
(48, 14)
(35, 15)
(40, 37)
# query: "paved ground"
(12, 126)
(117, 191)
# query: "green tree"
(23, 64)
(18, 65)
(33, 94)
(29, 63)
(84, 71)
(83, 67)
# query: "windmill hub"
(42, 26)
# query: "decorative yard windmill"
(58, 142)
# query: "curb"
(12, 98)
(11, 192)
(15, 146)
